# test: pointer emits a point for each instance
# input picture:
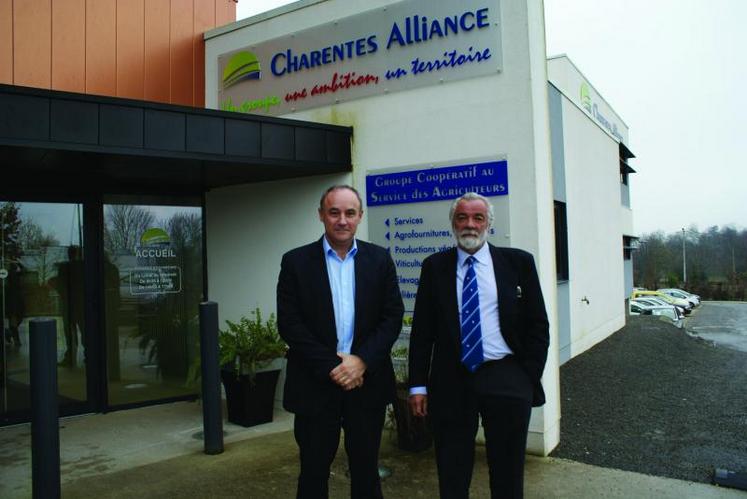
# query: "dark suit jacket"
(306, 321)
(435, 349)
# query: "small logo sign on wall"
(585, 96)
(153, 236)
(241, 66)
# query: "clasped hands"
(349, 373)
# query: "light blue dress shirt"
(341, 275)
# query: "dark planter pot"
(250, 403)
(413, 434)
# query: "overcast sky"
(674, 71)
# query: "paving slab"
(266, 467)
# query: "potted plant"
(413, 433)
(246, 348)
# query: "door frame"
(89, 312)
(166, 199)
(94, 297)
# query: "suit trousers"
(318, 438)
(505, 422)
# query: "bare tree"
(124, 224)
(39, 249)
(185, 230)
(10, 222)
(716, 261)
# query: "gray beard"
(468, 241)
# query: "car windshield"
(648, 301)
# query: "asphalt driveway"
(653, 399)
(721, 322)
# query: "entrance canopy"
(52, 140)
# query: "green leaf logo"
(585, 96)
(241, 66)
(154, 236)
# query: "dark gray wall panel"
(242, 138)
(277, 141)
(24, 117)
(310, 144)
(205, 134)
(338, 147)
(74, 121)
(121, 126)
(164, 130)
(123, 144)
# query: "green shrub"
(250, 344)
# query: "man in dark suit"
(340, 310)
(478, 347)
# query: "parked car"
(637, 308)
(680, 293)
(656, 302)
(669, 299)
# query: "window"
(561, 241)
(629, 243)
(625, 169)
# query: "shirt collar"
(481, 256)
(329, 251)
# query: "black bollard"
(212, 418)
(45, 430)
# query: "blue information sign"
(437, 184)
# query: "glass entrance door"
(153, 286)
(123, 291)
(41, 275)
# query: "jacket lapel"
(450, 276)
(319, 269)
(506, 282)
(362, 284)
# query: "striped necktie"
(471, 333)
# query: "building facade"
(124, 214)
(442, 99)
(590, 173)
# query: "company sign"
(601, 114)
(155, 243)
(408, 212)
(155, 273)
(437, 184)
(405, 45)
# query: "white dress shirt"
(494, 347)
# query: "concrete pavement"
(153, 452)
